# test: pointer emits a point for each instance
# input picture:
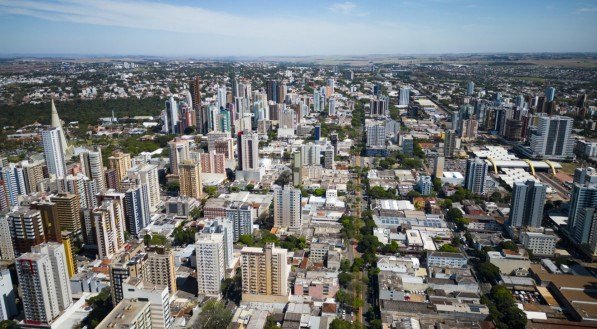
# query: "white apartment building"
(211, 266)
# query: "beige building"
(265, 274)
(189, 175)
(179, 151)
(121, 163)
(161, 271)
(129, 314)
(68, 211)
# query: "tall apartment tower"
(147, 174)
(160, 267)
(179, 151)
(121, 163)
(44, 283)
(54, 152)
(248, 151)
(189, 174)
(68, 211)
(582, 217)
(109, 225)
(210, 263)
(438, 166)
(476, 172)
(553, 138)
(264, 274)
(450, 143)
(241, 216)
(136, 208)
(376, 135)
(8, 303)
(26, 229)
(287, 207)
(404, 96)
(7, 251)
(528, 200)
(93, 167)
(157, 296)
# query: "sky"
(216, 28)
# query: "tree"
(319, 192)
(270, 323)
(101, 305)
(247, 239)
(212, 191)
(341, 324)
(9, 324)
(509, 245)
(249, 187)
(453, 214)
(344, 279)
(195, 213)
(489, 271)
(448, 248)
(391, 248)
(213, 315)
(284, 178)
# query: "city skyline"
(211, 29)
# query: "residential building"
(190, 179)
(446, 259)
(54, 151)
(553, 138)
(68, 211)
(8, 303)
(528, 200)
(476, 172)
(179, 151)
(287, 207)
(128, 314)
(157, 296)
(26, 229)
(241, 215)
(265, 274)
(93, 167)
(582, 217)
(210, 263)
(161, 269)
(120, 162)
(539, 244)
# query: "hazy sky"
(305, 27)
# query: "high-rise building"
(210, 263)
(161, 268)
(9, 187)
(109, 228)
(56, 123)
(450, 143)
(310, 154)
(54, 152)
(425, 185)
(271, 88)
(438, 167)
(220, 143)
(7, 251)
(26, 229)
(553, 138)
(376, 135)
(49, 217)
(470, 88)
(44, 283)
(157, 296)
(378, 106)
(179, 151)
(528, 199)
(129, 263)
(550, 94)
(287, 207)
(68, 211)
(93, 167)
(130, 313)
(265, 274)
(248, 151)
(121, 163)
(404, 96)
(147, 174)
(408, 145)
(34, 174)
(468, 129)
(189, 175)
(82, 186)
(170, 117)
(582, 217)
(476, 172)
(8, 303)
(225, 227)
(136, 208)
(212, 162)
(195, 89)
(241, 215)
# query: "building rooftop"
(124, 314)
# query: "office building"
(54, 152)
(68, 211)
(476, 172)
(553, 138)
(160, 267)
(287, 207)
(8, 303)
(408, 145)
(210, 263)
(93, 167)
(189, 175)
(550, 94)
(170, 117)
(44, 283)
(120, 163)
(470, 88)
(404, 99)
(528, 199)
(582, 216)
(128, 314)
(179, 151)
(157, 296)
(265, 274)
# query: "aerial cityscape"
(335, 165)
